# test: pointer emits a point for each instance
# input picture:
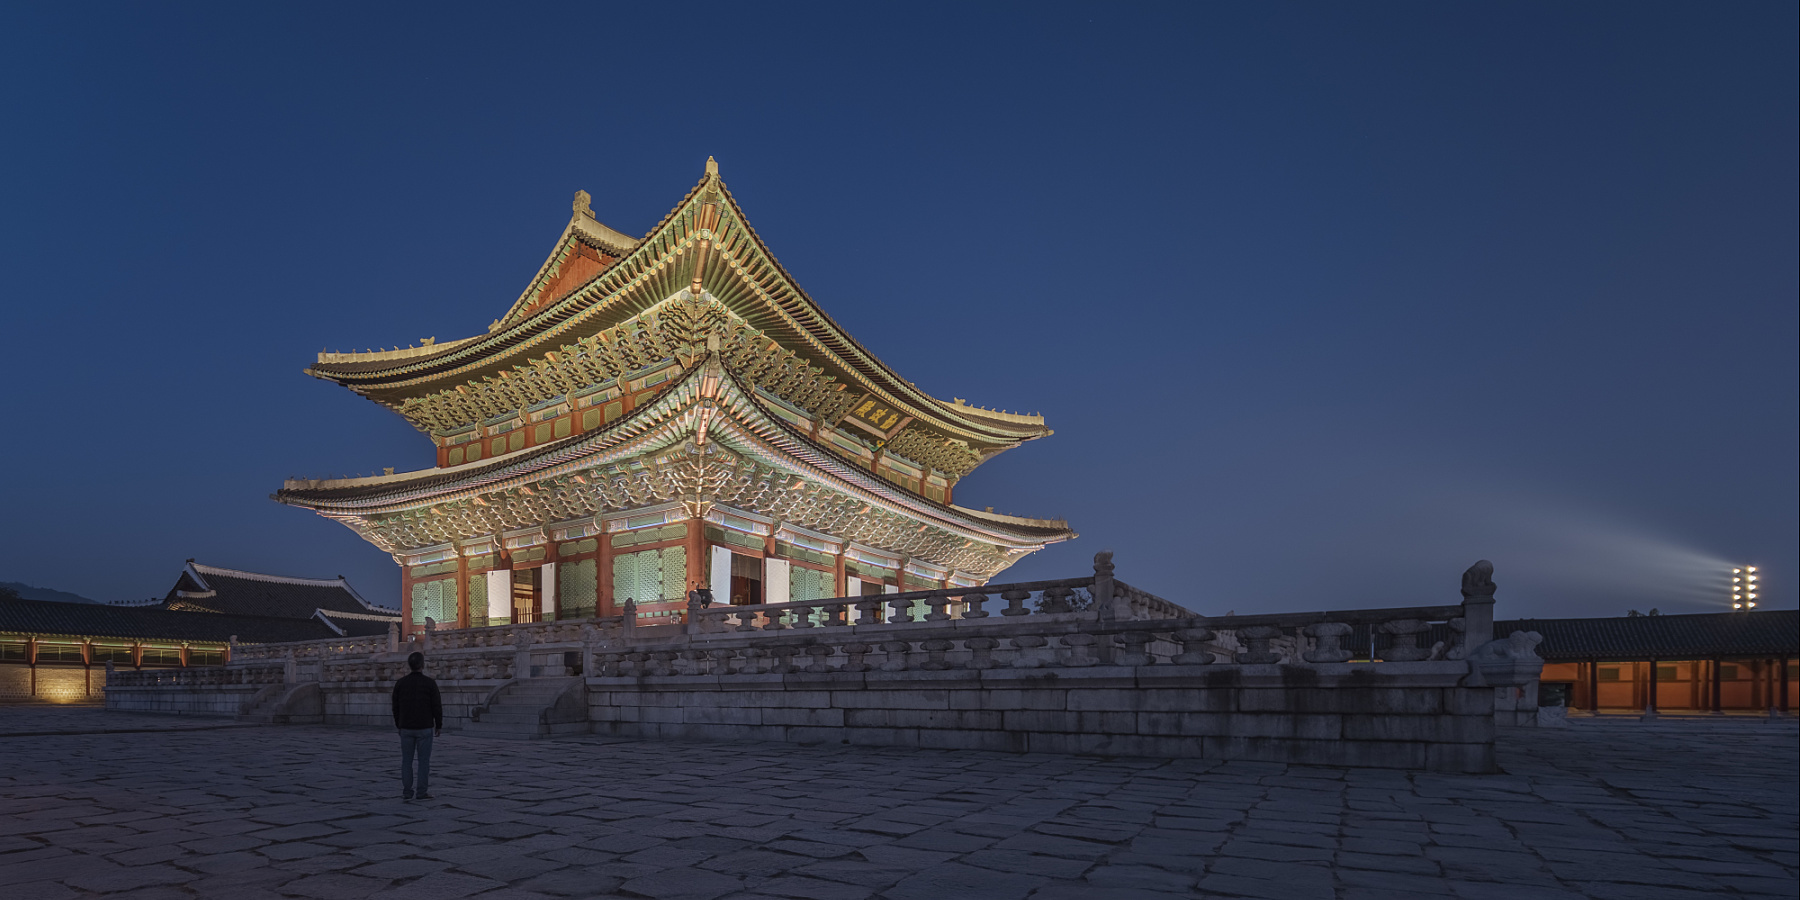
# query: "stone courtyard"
(121, 805)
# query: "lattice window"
(638, 576)
(577, 589)
(674, 573)
(436, 599)
(478, 598)
(810, 584)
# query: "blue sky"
(1324, 301)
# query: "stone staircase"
(285, 704)
(533, 708)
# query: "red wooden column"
(1716, 709)
(842, 585)
(603, 600)
(1593, 686)
(696, 553)
(1784, 684)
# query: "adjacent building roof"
(213, 589)
(1766, 633)
(209, 603)
(49, 618)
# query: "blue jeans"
(415, 740)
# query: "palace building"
(660, 413)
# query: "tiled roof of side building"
(213, 589)
(48, 618)
(1763, 633)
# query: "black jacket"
(416, 702)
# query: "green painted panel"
(577, 588)
(674, 572)
(477, 598)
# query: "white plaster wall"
(775, 580)
(548, 582)
(721, 574)
(500, 594)
(852, 586)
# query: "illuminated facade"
(662, 413)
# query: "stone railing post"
(1256, 640)
(522, 655)
(629, 610)
(589, 637)
(1015, 602)
(1108, 606)
(1329, 636)
(691, 625)
(109, 673)
(394, 638)
(290, 668)
(902, 611)
(973, 606)
(1478, 605)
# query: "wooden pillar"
(405, 601)
(1784, 684)
(1650, 690)
(696, 555)
(464, 596)
(842, 585)
(1716, 709)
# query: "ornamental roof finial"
(712, 167)
(583, 204)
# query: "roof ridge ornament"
(712, 167)
(584, 204)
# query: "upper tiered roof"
(595, 300)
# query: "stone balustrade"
(1074, 665)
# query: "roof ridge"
(273, 579)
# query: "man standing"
(418, 716)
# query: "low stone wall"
(370, 702)
(186, 700)
(1388, 715)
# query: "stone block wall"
(187, 700)
(1388, 715)
(369, 703)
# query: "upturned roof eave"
(822, 331)
(430, 486)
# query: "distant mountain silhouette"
(27, 592)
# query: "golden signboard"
(875, 416)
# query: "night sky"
(1324, 301)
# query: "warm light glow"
(1752, 568)
(1737, 606)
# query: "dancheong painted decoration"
(662, 413)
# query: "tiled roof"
(48, 617)
(212, 589)
(1763, 633)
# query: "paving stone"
(334, 886)
(126, 878)
(683, 884)
(1596, 810)
(812, 888)
(958, 880)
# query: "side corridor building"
(55, 651)
(662, 413)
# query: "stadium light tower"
(1743, 588)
